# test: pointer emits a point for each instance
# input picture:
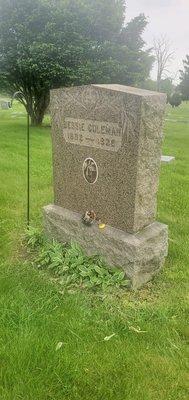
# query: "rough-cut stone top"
(129, 89)
(107, 151)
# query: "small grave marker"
(167, 159)
(5, 105)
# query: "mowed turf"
(13, 176)
(35, 316)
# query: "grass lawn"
(35, 316)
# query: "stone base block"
(140, 255)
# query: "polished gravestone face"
(107, 152)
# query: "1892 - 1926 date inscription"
(103, 135)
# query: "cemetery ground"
(128, 346)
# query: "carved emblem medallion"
(90, 171)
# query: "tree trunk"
(36, 108)
(158, 82)
(37, 118)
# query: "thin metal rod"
(28, 170)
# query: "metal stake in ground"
(21, 95)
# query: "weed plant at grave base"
(57, 344)
(71, 265)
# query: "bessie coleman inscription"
(99, 134)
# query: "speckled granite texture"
(106, 158)
(140, 255)
(120, 128)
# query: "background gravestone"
(5, 105)
(106, 156)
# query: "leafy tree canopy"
(45, 44)
(167, 86)
(175, 99)
(149, 84)
(184, 79)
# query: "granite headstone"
(106, 156)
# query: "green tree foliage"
(167, 86)
(138, 62)
(149, 84)
(175, 99)
(45, 44)
(184, 79)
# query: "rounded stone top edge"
(114, 88)
(129, 90)
(68, 88)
